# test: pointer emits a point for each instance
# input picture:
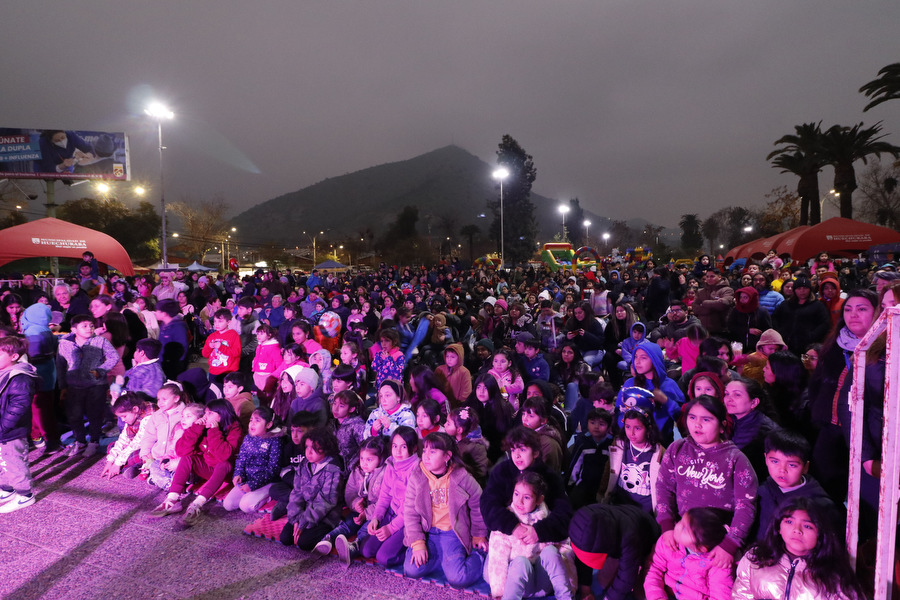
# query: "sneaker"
(131, 472)
(38, 442)
(192, 516)
(323, 547)
(345, 550)
(112, 432)
(7, 495)
(91, 449)
(166, 508)
(16, 502)
(75, 449)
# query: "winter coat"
(464, 501)
(159, 440)
(617, 456)
(350, 435)
(393, 491)
(74, 363)
(213, 444)
(42, 344)
(174, 338)
(17, 386)
(754, 582)
(498, 495)
(551, 447)
(403, 415)
(628, 344)
(313, 403)
(801, 324)
(473, 452)
(129, 440)
(368, 487)
(502, 548)
(390, 367)
(592, 340)
(691, 576)
(743, 318)
(243, 408)
(718, 477)
(456, 384)
(268, 357)
(146, 377)
(315, 499)
(771, 496)
(712, 305)
(749, 435)
(259, 459)
(665, 414)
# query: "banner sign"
(63, 154)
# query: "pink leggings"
(195, 463)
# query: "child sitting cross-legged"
(360, 495)
(314, 506)
(291, 456)
(132, 409)
(687, 571)
(444, 530)
(257, 463)
(521, 569)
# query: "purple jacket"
(393, 491)
(690, 576)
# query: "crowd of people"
(677, 432)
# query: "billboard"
(63, 154)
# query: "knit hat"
(203, 279)
(802, 282)
(307, 376)
(490, 300)
(485, 343)
(293, 371)
(502, 304)
(771, 337)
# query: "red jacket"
(214, 445)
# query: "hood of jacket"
(713, 377)
(36, 319)
(641, 326)
(656, 357)
(16, 369)
(751, 305)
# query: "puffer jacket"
(689, 575)
(783, 581)
(213, 444)
(368, 487)
(502, 548)
(316, 496)
(393, 491)
(17, 385)
(159, 440)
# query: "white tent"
(195, 266)
(159, 267)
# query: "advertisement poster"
(63, 154)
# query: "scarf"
(847, 340)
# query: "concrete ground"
(87, 538)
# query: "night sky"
(639, 108)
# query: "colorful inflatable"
(586, 263)
(557, 255)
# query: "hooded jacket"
(664, 414)
(746, 316)
(457, 384)
(835, 306)
(629, 343)
(17, 384)
(393, 491)
(41, 344)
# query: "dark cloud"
(646, 109)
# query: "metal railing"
(45, 283)
(888, 321)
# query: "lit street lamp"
(822, 203)
(160, 112)
(563, 208)
(587, 239)
(501, 174)
(606, 242)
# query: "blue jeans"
(571, 395)
(525, 579)
(348, 528)
(447, 553)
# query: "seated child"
(349, 426)
(535, 416)
(236, 390)
(462, 426)
(602, 396)
(291, 456)
(688, 569)
(392, 411)
(222, 347)
(321, 360)
(517, 568)
(158, 443)
(626, 346)
(453, 376)
(208, 449)
(787, 459)
(428, 417)
(360, 495)
(802, 554)
(385, 528)
(342, 378)
(146, 375)
(306, 394)
(314, 507)
(634, 460)
(443, 524)
(588, 458)
(257, 464)
(161, 471)
(131, 408)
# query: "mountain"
(450, 186)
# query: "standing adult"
(802, 320)
(713, 302)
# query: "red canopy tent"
(838, 236)
(52, 237)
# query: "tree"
(884, 87)
(203, 223)
(470, 232)
(712, 228)
(880, 195)
(842, 146)
(691, 235)
(12, 218)
(739, 218)
(401, 242)
(520, 229)
(575, 223)
(137, 230)
(781, 213)
(801, 154)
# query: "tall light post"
(501, 174)
(606, 242)
(587, 239)
(159, 112)
(564, 208)
(822, 203)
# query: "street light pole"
(160, 112)
(501, 174)
(564, 209)
(587, 239)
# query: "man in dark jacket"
(174, 337)
(713, 302)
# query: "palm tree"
(842, 146)
(884, 87)
(691, 237)
(800, 154)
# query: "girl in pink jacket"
(688, 573)
(268, 356)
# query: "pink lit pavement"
(89, 538)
